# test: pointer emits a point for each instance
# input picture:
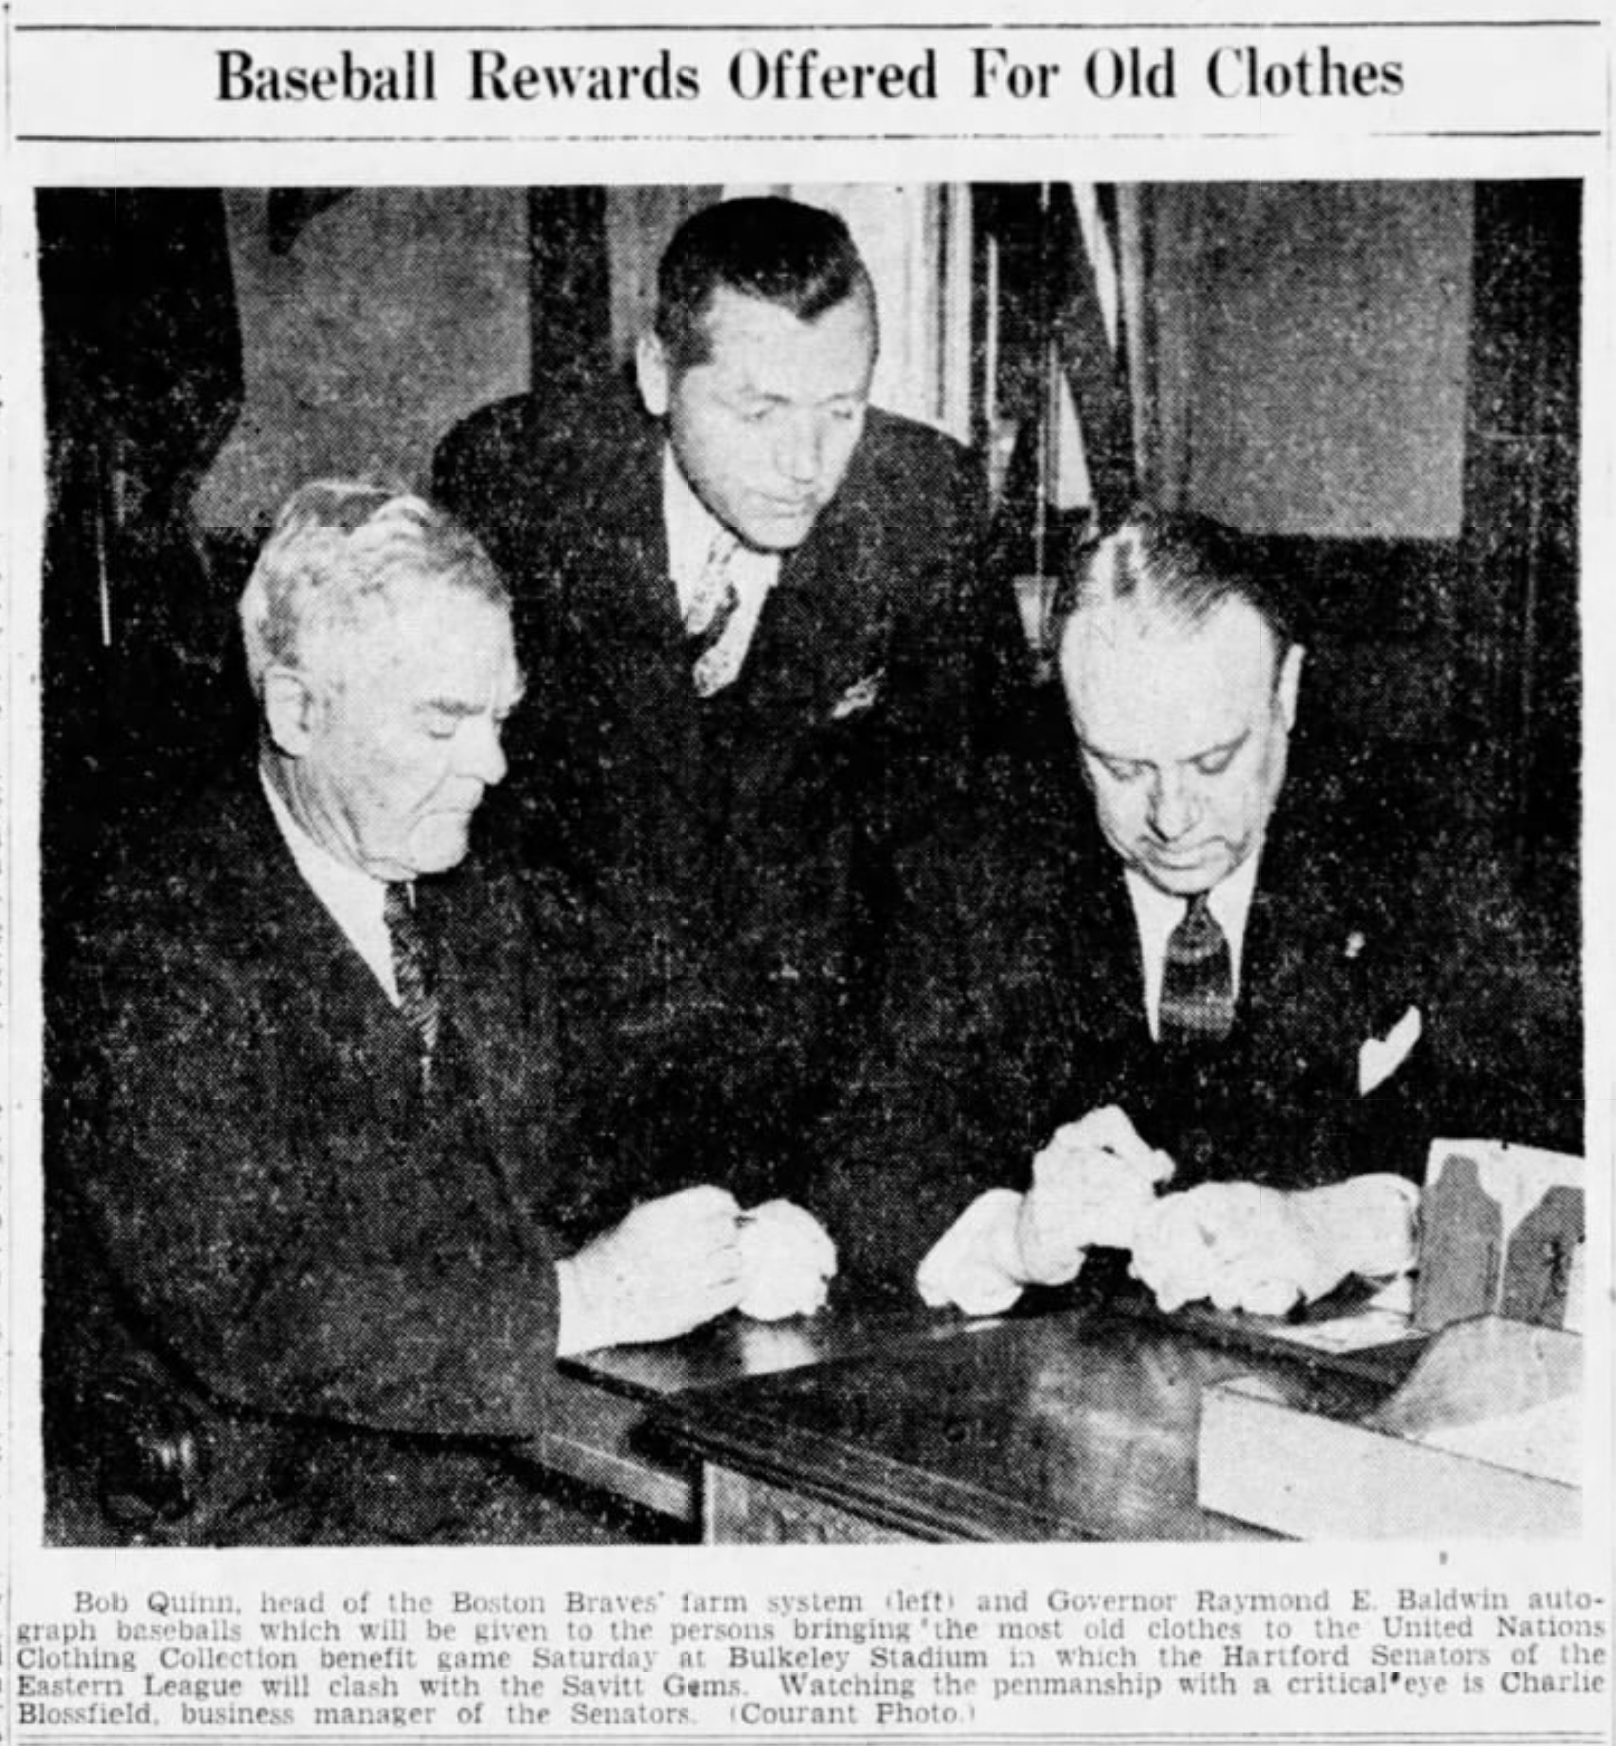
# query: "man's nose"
(799, 449)
(482, 755)
(1174, 807)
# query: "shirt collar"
(1157, 913)
(344, 889)
(692, 527)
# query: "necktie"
(713, 602)
(1197, 994)
(414, 973)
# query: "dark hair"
(799, 257)
(1180, 564)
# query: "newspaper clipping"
(802, 806)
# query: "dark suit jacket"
(761, 822)
(1017, 1004)
(231, 1152)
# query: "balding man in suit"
(1212, 1013)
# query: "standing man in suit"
(760, 643)
(319, 1151)
(1203, 1003)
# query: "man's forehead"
(764, 338)
(1142, 682)
(442, 635)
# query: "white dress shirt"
(353, 897)
(691, 529)
(1156, 914)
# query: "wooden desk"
(1075, 1425)
(605, 1435)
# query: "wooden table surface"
(1077, 1424)
(603, 1434)
(733, 1348)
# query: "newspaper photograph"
(800, 825)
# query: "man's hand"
(1233, 1242)
(974, 1265)
(1368, 1225)
(787, 1262)
(1246, 1247)
(1092, 1185)
(671, 1265)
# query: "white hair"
(340, 556)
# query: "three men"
(326, 1138)
(759, 644)
(1214, 979)
(322, 1139)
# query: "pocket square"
(859, 697)
(1380, 1057)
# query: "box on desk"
(1501, 1233)
(1480, 1442)
(1483, 1438)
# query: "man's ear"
(289, 710)
(652, 374)
(1290, 678)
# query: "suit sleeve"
(1505, 1010)
(474, 469)
(951, 1098)
(961, 675)
(512, 480)
(274, 1285)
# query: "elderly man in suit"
(1215, 1017)
(760, 644)
(319, 1147)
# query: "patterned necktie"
(414, 973)
(713, 603)
(1197, 994)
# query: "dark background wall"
(386, 317)
(1315, 353)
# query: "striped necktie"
(414, 973)
(1197, 994)
(713, 604)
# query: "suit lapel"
(511, 1053)
(774, 698)
(822, 633)
(1100, 975)
(314, 987)
(853, 564)
(1301, 999)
